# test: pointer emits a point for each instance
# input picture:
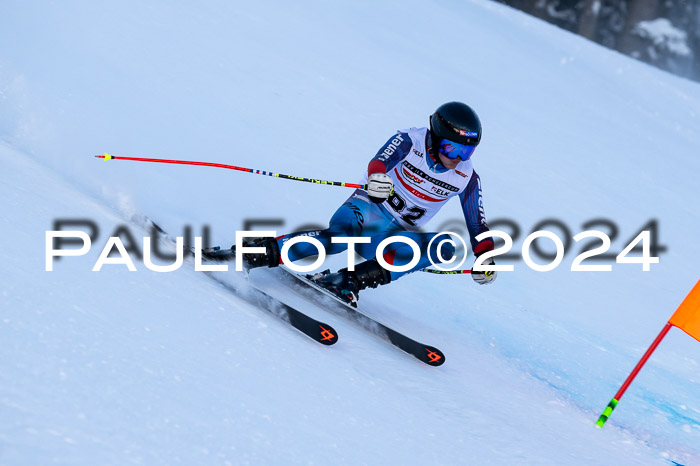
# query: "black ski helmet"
(457, 122)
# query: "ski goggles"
(452, 150)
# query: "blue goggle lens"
(452, 150)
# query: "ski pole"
(447, 272)
(233, 167)
(106, 156)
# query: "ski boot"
(269, 258)
(346, 285)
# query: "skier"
(408, 181)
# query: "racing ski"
(425, 353)
(314, 329)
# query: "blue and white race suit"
(422, 185)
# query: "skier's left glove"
(379, 187)
(484, 278)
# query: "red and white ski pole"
(447, 272)
(106, 156)
(233, 167)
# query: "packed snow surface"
(119, 367)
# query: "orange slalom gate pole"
(686, 318)
(616, 399)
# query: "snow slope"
(116, 366)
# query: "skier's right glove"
(379, 187)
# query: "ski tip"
(433, 356)
(327, 335)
